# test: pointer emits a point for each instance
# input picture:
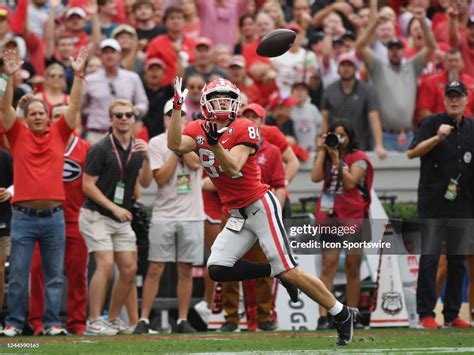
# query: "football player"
(226, 148)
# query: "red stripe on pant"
(75, 269)
(274, 234)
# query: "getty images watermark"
(323, 236)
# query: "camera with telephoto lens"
(333, 140)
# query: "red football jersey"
(74, 162)
(273, 135)
(244, 188)
(271, 165)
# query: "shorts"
(102, 233)
(176, 241)
(263, 223)
(5, 245)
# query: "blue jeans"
(390, 141)
(50, 234)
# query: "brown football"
(276, 43)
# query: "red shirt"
(251, 91)
(212, 205)
(244, 188)
(249, 51)
(431, 93)
(38, 161)
(274, 136)
(468, 56)
(271, 165)
(162, 47)
(74, 163)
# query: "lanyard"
(119, 161)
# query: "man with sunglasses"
(113, 167)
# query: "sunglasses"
(112, 89)
(120, 115)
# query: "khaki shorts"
(102, 233)
(177, 241)
(5, 245)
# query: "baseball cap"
(123, 28)
(278, 100)
(111, 43)
(316, 38)
(203, 41)
(154, 61)
(256, 108)
(457, 86)
(349, 34)
(75, 11)
(395, 42)
(237, 61)
(345, 57)
(294, 27)
(169, 106)
(470, 21)
(3, 12)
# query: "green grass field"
(397, 341)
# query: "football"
(276, 43)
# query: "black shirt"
(101, 161)
(450, 158)
(150, 34)
(6, 180)
(153, 120)
(287, 128)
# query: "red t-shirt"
(273, 135)
(38, 161)
(74, 163)
(244, 188)
(252, 92)
(162, 47)
(249, 51)
(431, 93)
(468, 55)
(271, 165)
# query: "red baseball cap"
(154, 61)
(256, 108)
(204, 41)
(346, 58)
(294, 27)
(278, 100)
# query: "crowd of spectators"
(381, 66)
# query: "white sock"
(146, 320)
(336, 309)
(181, 320)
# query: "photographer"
(347, 175)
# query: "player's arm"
(72, 113)
(93, 192)
(425, 146)
(12, 63)
(177, 142)
(208, 185)
(233, 161)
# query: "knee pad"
(218, 273)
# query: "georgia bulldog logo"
(391, 303)
(72, 170)
(200, 140)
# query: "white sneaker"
(100, 327)
(203, 310)
(119, 325)
(55, 330)
(129, 330)
(10, 331)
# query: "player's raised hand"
(179, 93)
(211, 131)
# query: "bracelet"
(79, 75)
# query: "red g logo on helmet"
(220, 100)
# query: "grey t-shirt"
(307, 123)
(396, 87)
(353, 107)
